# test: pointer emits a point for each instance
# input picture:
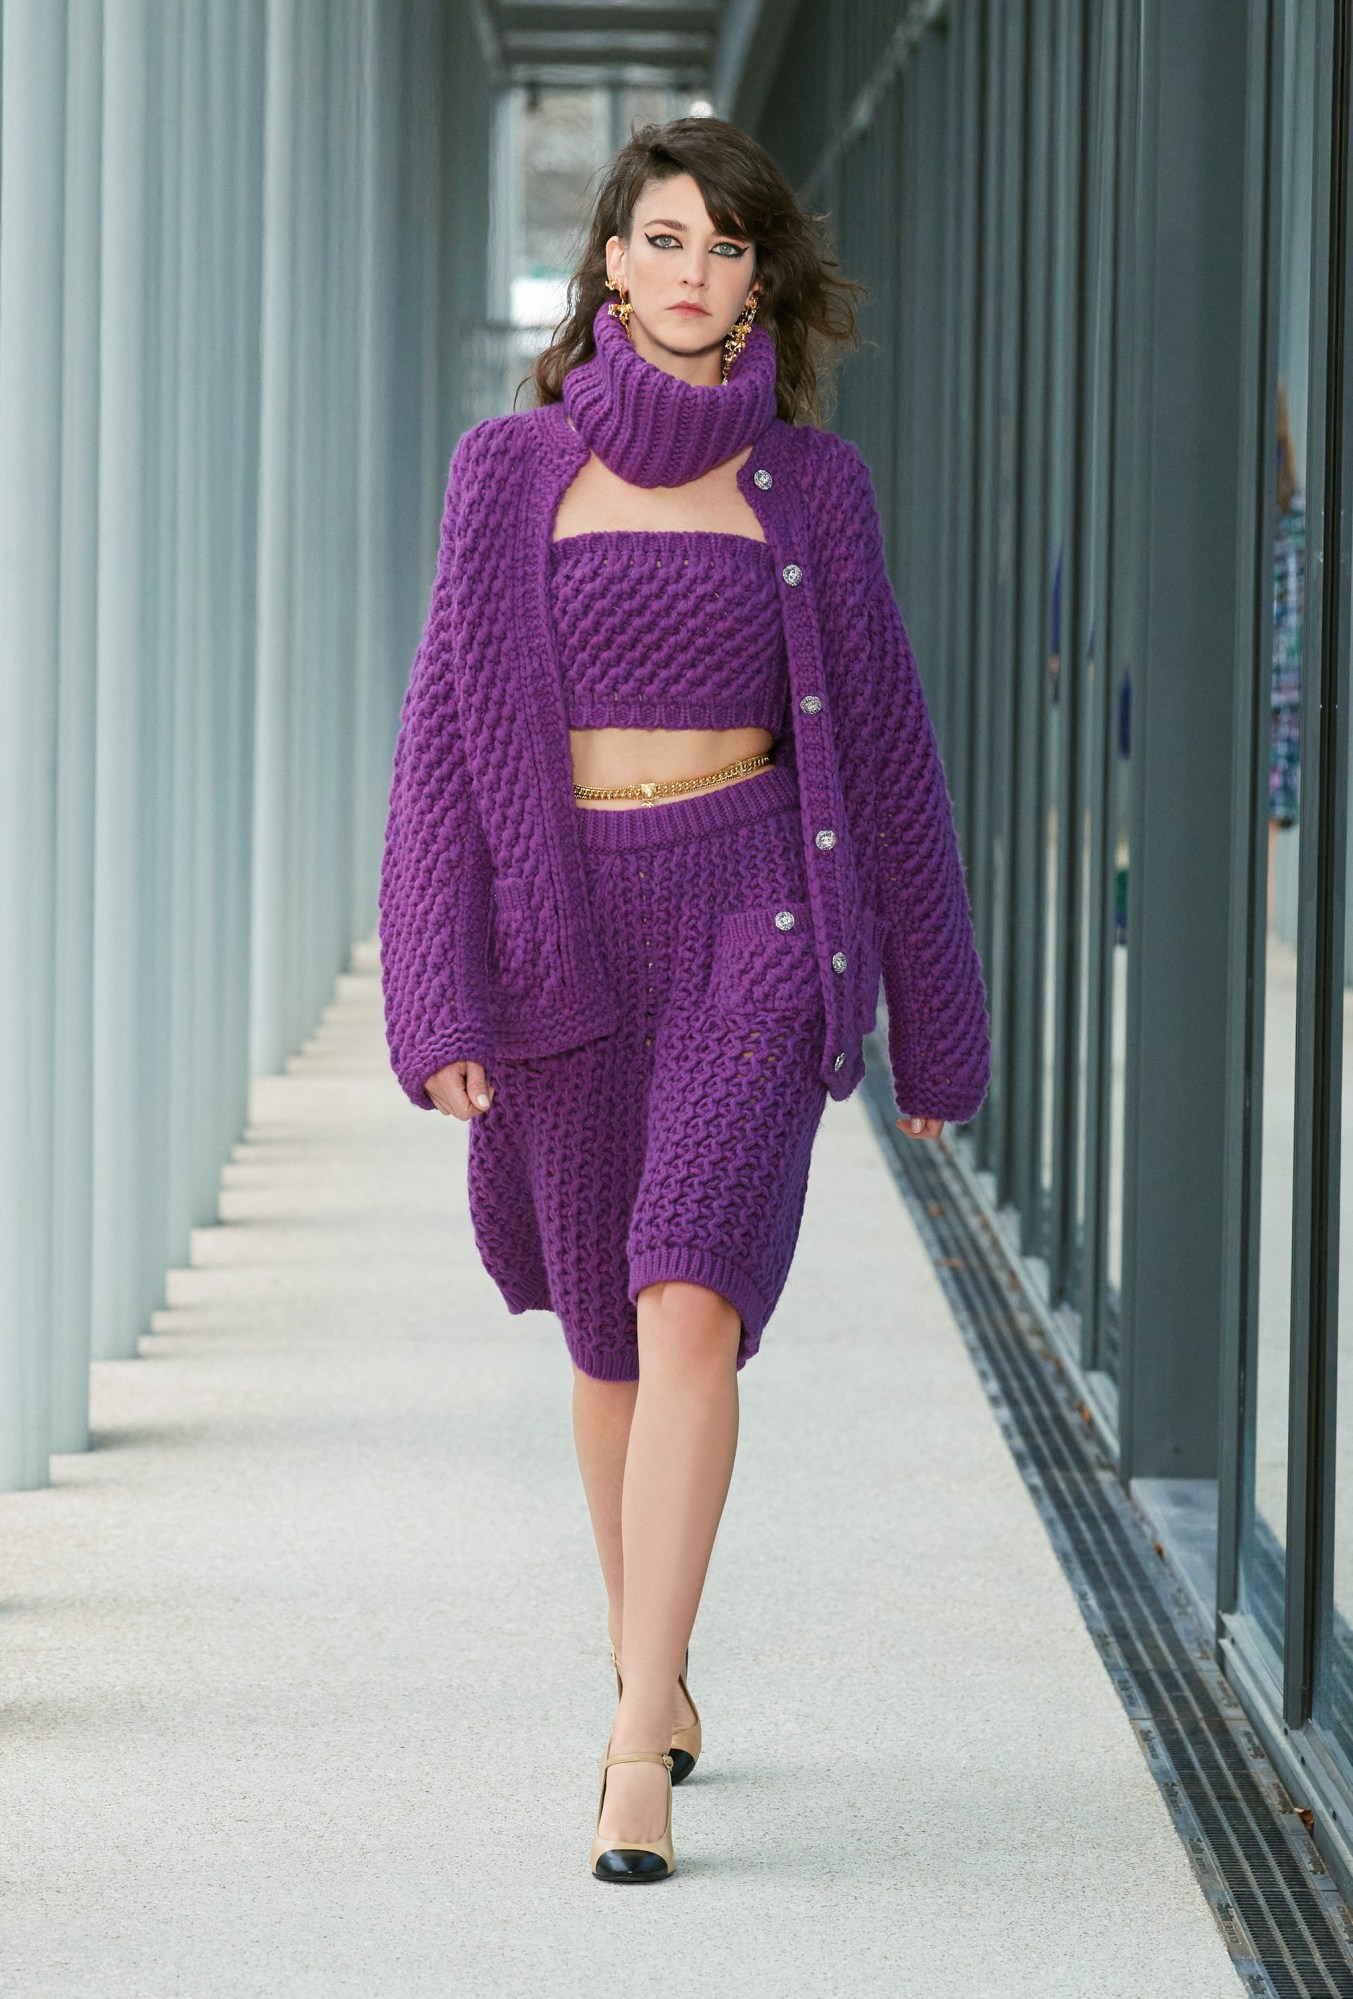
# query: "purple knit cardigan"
(482, 838)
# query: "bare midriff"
(606, 757)
(598, 500)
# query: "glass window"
(1065, 262)
(1264, 1531)
(1333, 1473)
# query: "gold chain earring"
(621, 310)
(736, 338)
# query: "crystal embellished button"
(762, 479)
(826, 838)
(840, 1062)
(838, 961)
(792, 573)
(784, 919)
(811, 703)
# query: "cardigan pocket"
(510, 933)
(761, 965)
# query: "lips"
(693, 311)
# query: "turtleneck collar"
(651, 428)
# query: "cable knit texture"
(679, 1146)
(669, 630)
(653, 429)
(490, 946)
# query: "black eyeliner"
(738, 249)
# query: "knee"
(688, 1328)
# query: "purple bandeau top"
(669, 629)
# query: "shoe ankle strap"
(637, 1756)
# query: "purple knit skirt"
(677, 1146)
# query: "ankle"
(642, 1723)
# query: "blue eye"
(664, 237)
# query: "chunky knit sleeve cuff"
(435, 871)
(939, 1031)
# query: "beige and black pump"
(637, 1860)
(685, 1750)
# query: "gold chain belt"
(668, 787)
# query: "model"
(667, 805)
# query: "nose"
(694, 272)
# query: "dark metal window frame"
(1279, 1691)
(1024, 288)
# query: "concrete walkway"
(304, 1665)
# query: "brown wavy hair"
(806, 302)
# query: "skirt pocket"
(763, 961)
(509, 938)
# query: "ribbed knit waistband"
(615, 829)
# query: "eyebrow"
(666, 222)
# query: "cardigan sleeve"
(436, 873)
(939, 1031)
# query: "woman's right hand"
(461, 1090)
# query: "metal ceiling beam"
(631, 41)
(608, 76)
(562, 46)
(597, 17)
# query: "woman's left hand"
(921, 1127)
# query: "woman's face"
(687, 281)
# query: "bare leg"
(683, 1438)
(602, 1413)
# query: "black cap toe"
(628, 1863)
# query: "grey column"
(276, 581)
(118, 1113)
(161, 501)
(73, 1016)
(237, 49)
(374, 484)
(32, 148)
(188, 652)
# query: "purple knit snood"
(652, 429)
